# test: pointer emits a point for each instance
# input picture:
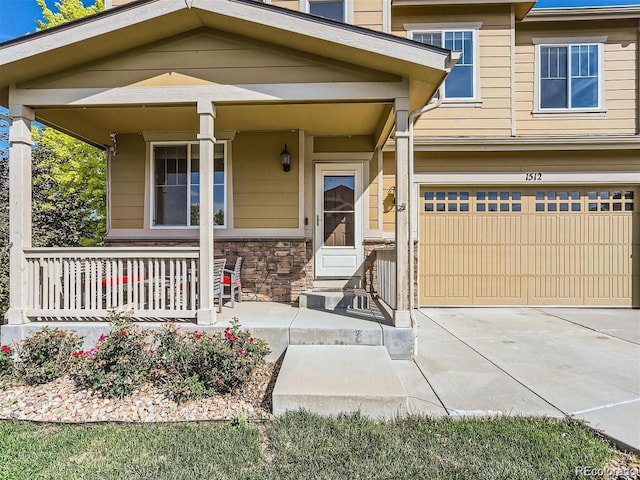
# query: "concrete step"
(331, 300)
(329, 380)
(339, 326)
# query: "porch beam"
(20, 143)
(260, 93)
(206, 314)
(401, 315)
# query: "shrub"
(6, 361)
(119, 362)
(46, 355)
(195, 364)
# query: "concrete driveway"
(535, 361)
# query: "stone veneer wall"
(273, 270)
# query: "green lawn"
(302, 446)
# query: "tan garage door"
(533, 246)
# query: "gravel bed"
(61, 401)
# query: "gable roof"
(145, 21)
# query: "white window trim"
(474, 27)
(598, 110)
(348, 9)
(151, 180)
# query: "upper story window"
(176, 184)
(332, 9)
(462, 82)
(569, 76)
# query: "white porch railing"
(386, 278)
(89, 282)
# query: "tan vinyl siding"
(353, 143)
(374, 179)
(264, 195)
(127, 182)
(492, 114)
(388, 181)
(368, 14)
(117, 3)
(620, 81)
(466, 162)
(207, 58)
(290, 4)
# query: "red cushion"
(121, 280)
(226, 280)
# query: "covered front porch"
(196, 123)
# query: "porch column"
(401, 315)
(20, 142)
(206, 314)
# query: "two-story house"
(334, 140)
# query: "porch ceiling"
(324, 119)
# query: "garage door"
(534, 246)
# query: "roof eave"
(402, 56)
(583, 13)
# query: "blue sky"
(18, 17)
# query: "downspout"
(413, 116)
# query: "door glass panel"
(339, 210)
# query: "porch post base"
(206, 317)
(401, 319)
(16, 316)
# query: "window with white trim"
(461, 84)
(569, 76)
(332, 9)
(176, 184)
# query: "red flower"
(6, 349)
(218, 381)
(233, 338)
(123, 333)
(227, 335)
(152, 352)
(197, 334)
(61, 334)
(251, 339)
(77, 353)
(102, 338)
(227, 329)
(240, 351)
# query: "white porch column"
(20, 142)
(403, 249)
(206, 314)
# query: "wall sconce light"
(285, 158)
(392, 193)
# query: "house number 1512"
(533, 177)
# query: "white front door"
(338, 222)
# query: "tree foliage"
(69, 176)
(67, 10)
(69, 191)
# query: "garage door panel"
(551, 246)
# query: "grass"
(303, 446)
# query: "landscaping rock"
(60, 401)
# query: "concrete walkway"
(530, 361)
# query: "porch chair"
(218, 275)
(232, 280)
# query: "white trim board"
(193, 233)
(520, 178)
(293, 92)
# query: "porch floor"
(279, 324)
